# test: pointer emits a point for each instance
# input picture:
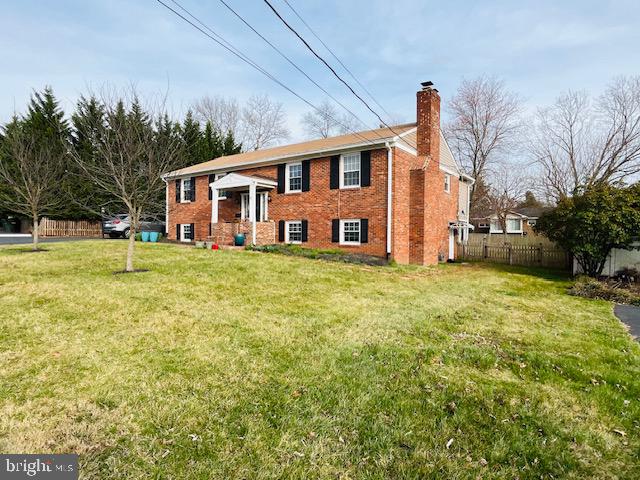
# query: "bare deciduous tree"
(508, 186)
(326, 122)
(263, 122)
(132, 151)
(580, 144)
(485, 124)
(31, 174)
(224, 114)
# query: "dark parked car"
(119, 226)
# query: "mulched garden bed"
(333, 255)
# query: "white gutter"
(389, 194)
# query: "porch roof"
(235, 180)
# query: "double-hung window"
(350, 170)
(293, 232)
(350, 232)
(294, 178)
(186, 190)
(187, 234)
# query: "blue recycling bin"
(145, 236)
(153, 236)
(239, 239)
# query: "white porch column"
(452, 244)
(252, 211)
(214, 205)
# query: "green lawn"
(251, 365)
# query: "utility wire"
(310, 48)
(233, 50)
(336, 57)
(292, 63)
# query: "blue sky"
(539, 48)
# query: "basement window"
(350, 232)
(293, 232)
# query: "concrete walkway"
(630, 316)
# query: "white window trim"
(342, 185)
(183, 238)
(497, 231)
(217, 177)
(514, 231)
(286, 177)
(342, 222)
(183, 191)
(447, 183)
(264, 211)
(286, 232)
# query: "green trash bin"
(239, 239)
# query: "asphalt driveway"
(629, 315)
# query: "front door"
(262, 203)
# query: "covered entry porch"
(249, 202)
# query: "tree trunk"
(132, 242)
(34, 233)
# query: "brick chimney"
(428, 120)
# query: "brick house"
(390, 192)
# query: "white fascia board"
(281, 159)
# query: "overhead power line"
(310, 48)
(236, 52)
(292, 62)
(313, 32)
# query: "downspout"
(389, 195)
(166, 206)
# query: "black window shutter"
(281, 169)
(305, 230)
(306, 175)
(212, 178)
(178, 232)
(178, 184)
(334, 174)
(364, 230)
(193, 189)
(335, 230)
(209, 228)
(193, 231)
(365, 168)
(281, 231)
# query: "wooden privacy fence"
(525, 255)
(69, 228)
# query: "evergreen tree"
(530, 200)
(194, 149)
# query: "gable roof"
(404, 135)
(532, 212)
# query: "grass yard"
(248, 365)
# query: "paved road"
(15, 240)
(630, 315)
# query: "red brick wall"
(319, 205)
(421, 209)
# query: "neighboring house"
(390, 192)
(519, 222)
